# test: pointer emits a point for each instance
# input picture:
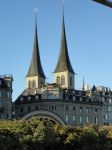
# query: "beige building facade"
(59, 101)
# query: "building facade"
(60, 101)
(6, 97)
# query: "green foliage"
(41, 134)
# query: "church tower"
(64, 73)
(35, 77)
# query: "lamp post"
(104, 2)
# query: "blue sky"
(89, 36)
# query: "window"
(96, 120)
(73, 108)
(87, 119)
(81, 99)
(29, 84)
(103, 99)
(67, 108)
(29, 98)
(33, 84)
(87, 110)
(81, 109)
(81, 120)
(8, 84)
(52, 107)
(58, 80)
(74, 98)
(110, 101)
(70, 81)
(21, 98)
(7, 116)
(36, 107)
(41, 83)
(66, 117)
(109, 108)
(49, 107)
(8, 94)
(50, 96)
(21, 109)
(63, 80)
(29, 109)
(37, 97)
(106, 117)
(96, 110)
(74, 119)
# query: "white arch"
(45, 114)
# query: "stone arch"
(45, 114)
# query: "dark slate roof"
(27, 97)
(35, 66)
(64, 63)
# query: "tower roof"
(63, 63)
(35, 66)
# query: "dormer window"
(29, 98)
(8, 84)
(8, 94)
(81, 99)
(74, 98)
(21, 98)
(37, 97)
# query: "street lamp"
(105, 2)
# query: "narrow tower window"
(62, 80)
(58, 80)
(29, 84)
(33, 84)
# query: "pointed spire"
(35, 66)
(64, 63)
